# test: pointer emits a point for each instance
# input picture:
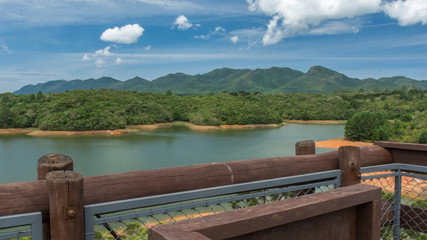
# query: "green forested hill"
(111, 109)
(273, 80)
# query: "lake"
(175, 146)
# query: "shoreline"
(130, 129)
(339, 142)
(318, 122)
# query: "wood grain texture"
(305, 147)
(349, 163)
(65, 205)
(245, 221)
(53, 162)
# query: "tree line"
(112, 109)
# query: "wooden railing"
(61, 194)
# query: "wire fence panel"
(114, 221)
(21, 226)
(404, 202)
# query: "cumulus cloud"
(148, 48)
(234, 39)
(290, 18)
(100, 63)
(407, 12)
(119, 61)
(126, 34)
(182, 23)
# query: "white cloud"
(407, 12)
(182, 22)
(85, 57)
(104, 52)
(219, 29)
(119, 61)
(204, 37)
(335, 27)
(216, 31)
(5, 48)
(234, 39)
(127, 34)
(100, 63)
(290, 17)
(148, 48)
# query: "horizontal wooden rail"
(408, 153)
(24, 197)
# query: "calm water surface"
(176, 146)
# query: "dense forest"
(112, 109)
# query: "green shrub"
(367, 126)
(422, 138)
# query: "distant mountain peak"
(317, 79)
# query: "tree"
(422, 138)
(367, 126)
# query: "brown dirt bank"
(133, 129)
(17, 130)
(339, 142)
(203, 128)
(318, 122)
(41, 133)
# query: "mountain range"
(273, 80)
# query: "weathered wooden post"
(349, 163)
(48, 163)
(305, 147)
(53, 162)
(66, 212)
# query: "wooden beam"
(227, 225)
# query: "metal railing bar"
(413, 168)
(423, 177)
(207, 192)
(206, 203)
(18, 220)
(380, 168)
(370, 177)
(394, 166)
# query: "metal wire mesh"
(133, 225)
(16, 233)
(21, 226)
(404, 203)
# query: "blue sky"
(42, 40)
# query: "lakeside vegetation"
(110, 109)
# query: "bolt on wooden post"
(349, 163)
(66, 213)
(305, 147)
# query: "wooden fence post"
(305, 147)
(65, 189)
(53, 162)
(48, 163)
(349, 163)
